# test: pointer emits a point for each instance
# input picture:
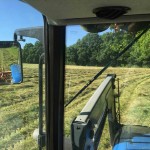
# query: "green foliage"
(98, 50)
(141, 51)
(84, 51)
(88, 48)
(31, 53)
(71, 55)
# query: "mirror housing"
(10, 62)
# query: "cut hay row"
(19, 102)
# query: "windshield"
(88, 53)
(90, 49)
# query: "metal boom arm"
(87, 127)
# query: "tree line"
(32, 52)
(97, 50)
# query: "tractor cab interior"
(95, 17)
(121, 19)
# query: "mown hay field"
(134, 95)
(19, 103)
(19, 112)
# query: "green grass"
(19, 103)
(19, 111)
(134, 89)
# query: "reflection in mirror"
(10, 62)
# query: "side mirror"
(10, 62)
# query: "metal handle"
(41, 136)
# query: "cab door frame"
(54, 74)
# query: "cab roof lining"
(66, 12)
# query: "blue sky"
(73, 33)
(15, 14)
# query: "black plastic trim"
(55, 69)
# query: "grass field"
(134, 90)
(19, 112)
(19, 103)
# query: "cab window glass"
(87, 53)
(19, 101)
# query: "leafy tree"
(38, 49)
(141, 51)
(88, 48)
(71, 55)
(26, 52)
(31, 53)
(94, 49)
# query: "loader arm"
(87, 127)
